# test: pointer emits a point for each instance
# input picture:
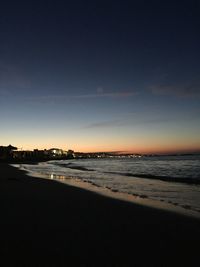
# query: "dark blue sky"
(122, 72)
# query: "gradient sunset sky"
(100, 75)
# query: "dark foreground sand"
(46, 223)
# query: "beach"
(47, 223)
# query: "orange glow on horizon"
(138, 143)
(162, 149)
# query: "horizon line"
(158, 152)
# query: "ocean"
(174, 180)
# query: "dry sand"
(46, 223)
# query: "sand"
(46, 223)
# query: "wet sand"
(46, 223)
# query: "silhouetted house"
(70, 154)
(23, 155)
(40, 154)
(6, 152)
(30, 155)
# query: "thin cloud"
(127, 122)
(105, 124)
(58, 98)
(191, 90)
(106, 95)
(135, 120)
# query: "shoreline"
(46, 223)
(107, 192)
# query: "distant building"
(56, 152)
(70, 154)
(10, 153)
(34, 155)
(6, 152)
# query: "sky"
(100, 75)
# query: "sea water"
(166, 179)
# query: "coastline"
(133, 197)
(113, 194)
(46, 223)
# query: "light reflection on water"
(114, 174)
